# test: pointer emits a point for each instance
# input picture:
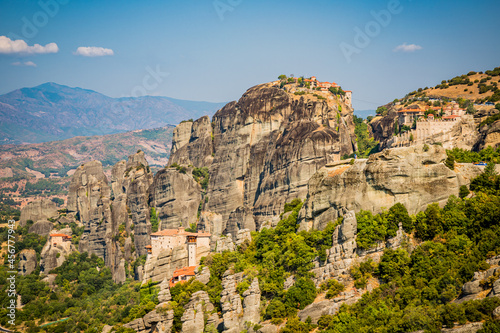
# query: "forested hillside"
(419, 283)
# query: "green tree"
(429, 223)
(399, 214)
(301, 294)
(463, 191)
(450, 162)
(393, 264)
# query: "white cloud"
(26, 63)
(20, 47)
(93, 51)
(407, 48)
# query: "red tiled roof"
(175, 232)
(453, 116)
(184, 271)
(60, 235)
(148, 246)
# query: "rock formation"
(414, 176)
(251, 303)
(27, 261)
(199, 307)
(489, 135)
(462, 135)
(159, 320)
(37, 210)
(113, 214)
(163, 266)
(193, 145)
(176, 196)
(54, 255)
(236, 310)
(265, 147)
(42, 228)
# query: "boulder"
(27, 261)
(471, 288)
(193, 319)
(316, 310)
(42, 228)
(251, 303)
(37, 210)
(203, 275)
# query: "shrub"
(463, 191)
(450, 162)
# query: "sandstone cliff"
(414, 176)
(265, 147)
(465, 134)
(116, 217)
(176, 197)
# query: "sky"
(214, 50)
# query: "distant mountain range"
(55, 112)
(56, 158)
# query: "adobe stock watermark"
(372, 29)
(11, 273)
(223, 6)
(31, 26)
(150, 82)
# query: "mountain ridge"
(51, 111)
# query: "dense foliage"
(417, 282)
(366, 144)
(488, 154)
(83, 292)
(419, 286)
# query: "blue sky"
(215, 50)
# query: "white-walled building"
(171, 238)
(60, 240)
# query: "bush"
(450, 162)
(333, 288)
(463, 192)
(301, 294)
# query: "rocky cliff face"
(238, 311)
(463, 134)
(489, 135)
(111, 214)
(27, 261)
(466, 134)
(176, 197)
(414, 176)
(192, 143)
(199, 307)
(265, 147)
